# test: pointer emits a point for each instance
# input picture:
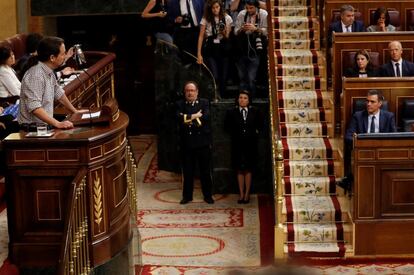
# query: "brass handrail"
(74, 254)
(277, 155)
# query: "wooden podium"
(40, 171)
(383, 213)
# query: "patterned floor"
(200, 239)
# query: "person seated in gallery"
(362, 66)
(32, 42)
(346, 24)
(382, 21)
(370, 120)
(397, 66)
(9, 83)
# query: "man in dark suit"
(371, 120)
(397, 67)
(346, 24)
(193, 116)
(187, 16)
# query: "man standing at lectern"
(40, 88)
(193, 116)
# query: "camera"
(259, 44)
(221, 26)
(186, 19)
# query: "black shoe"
(209, 200)
(241, 201)
(246, 201)
(185, 201)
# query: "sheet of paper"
(91, 115)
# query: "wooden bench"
(347, 43)
(402, 13)
(395, 93)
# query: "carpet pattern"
(312, 214)
(174, 236)
(4, 236)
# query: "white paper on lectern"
(91, 115)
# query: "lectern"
(40, 173)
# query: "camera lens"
(259, 45)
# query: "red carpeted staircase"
(314, 223)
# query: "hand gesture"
(66, 124)
(68, 71)
(162, 14)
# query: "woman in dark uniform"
(243, 123)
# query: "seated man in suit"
(346, 24)
(397, 67)
(371, 120)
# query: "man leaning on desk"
(40, 88)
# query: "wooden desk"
(383, 212)
(39, 173)
(96, 84)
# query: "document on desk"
(91, 115)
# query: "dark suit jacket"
(194, 135)
(244, 136)
(388, 70)
(357, 26)
(359, 124)
(352, 72)
(175, 9)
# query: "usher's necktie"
(244, 113)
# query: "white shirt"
(394, 67)
(9, 83)
(376, 121)
(344, 29)
(183, 8)
(244, 113)
(209, 30)
(262, 24)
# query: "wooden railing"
(74, 255)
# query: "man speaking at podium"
(40, 88)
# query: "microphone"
(78, 55)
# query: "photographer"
(251, 37)
(187, 16)
(157, 11)
(213, 38)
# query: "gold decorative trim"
(97, 200)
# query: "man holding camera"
(187, 15)
(251, 33)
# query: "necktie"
(244, 113)
(372, 127)
(397, 70)
(348, 28)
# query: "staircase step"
(305, 116)
(294, 83)
(299, 57)
(306, 130)
(292, 2)
(292, 11)
(299, 70)
(316, 250)
(294, 44)
(309, 185)
(312, 209)
(304, 148)
(295, 34)
(300, 168)
(297, 23)
(309, 99)
(313, 233)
